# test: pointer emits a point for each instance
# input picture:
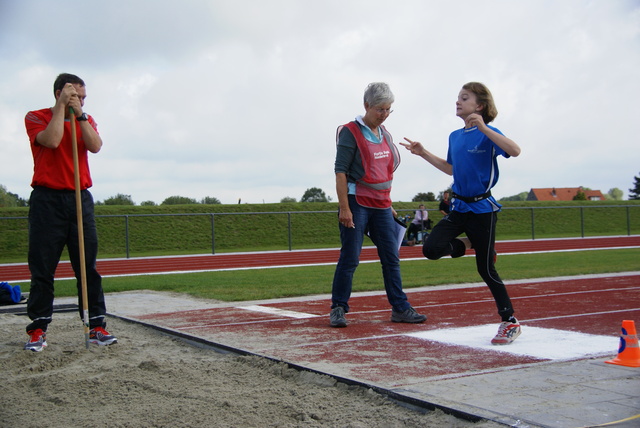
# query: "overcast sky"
(241, 98)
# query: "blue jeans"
(382, 230)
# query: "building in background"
(563, 194)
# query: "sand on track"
(150, 379)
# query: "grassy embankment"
(186, 229)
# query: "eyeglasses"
(383, 110)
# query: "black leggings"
(481, 231)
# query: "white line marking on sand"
(537, 342)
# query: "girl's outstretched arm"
(418, 149)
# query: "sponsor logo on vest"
(381, 155)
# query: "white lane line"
(277, 311)
(557, 317)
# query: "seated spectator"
(418, 223)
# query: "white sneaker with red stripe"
(507, 332)
(37, 340)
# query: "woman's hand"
(346, 218)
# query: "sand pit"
(150, 379)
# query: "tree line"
(312, 194)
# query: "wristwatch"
(83, 117)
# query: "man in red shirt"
(52, 209)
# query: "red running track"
(19, 272)
(374, 350)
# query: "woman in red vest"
(365, 161)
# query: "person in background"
(445, 204)
(472, 160)
(52, 210)
(418, 223)
(365, 161)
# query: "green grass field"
(261, 284)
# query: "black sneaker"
(337, 317)
(37, 340)
(101, 337)
(409, 315)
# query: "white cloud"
(241, 99)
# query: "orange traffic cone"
(629, 352)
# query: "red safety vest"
(379, 161)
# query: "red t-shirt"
(53, 168)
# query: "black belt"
(471, 199)
(50, 190)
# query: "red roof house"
(563, 194)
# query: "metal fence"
(248, 231)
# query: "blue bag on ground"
(10, 294)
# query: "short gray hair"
(378, 93)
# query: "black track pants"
(52, 226)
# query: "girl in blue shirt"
(472, 161)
